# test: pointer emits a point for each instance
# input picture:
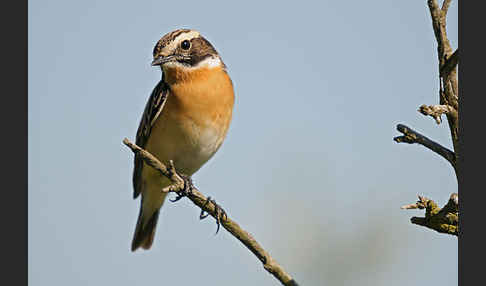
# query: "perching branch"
(208, 206)
(444, 220)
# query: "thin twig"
(420, 204)
(201, 201)
(411, 136)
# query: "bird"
(186, 119)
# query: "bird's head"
(184, 50)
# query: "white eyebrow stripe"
(184, 36)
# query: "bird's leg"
(220, 212)
(188, 186)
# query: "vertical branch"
(445, 220)
(448, 92)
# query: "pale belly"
(187, 142)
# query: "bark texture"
(445, 220)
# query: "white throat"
(210, 62)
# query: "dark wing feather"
(152, 110)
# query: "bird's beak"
(160, 60)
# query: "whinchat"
(185, 120)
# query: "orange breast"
(195, 118)
(204, 95)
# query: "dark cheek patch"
(200, 50)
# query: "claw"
(202, 215)
(187, 189)
(220, 213)
(179, 196)
(218, 221)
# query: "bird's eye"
(185, 45)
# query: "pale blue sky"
(309, 166)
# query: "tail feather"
(150, 204)
(145, 230)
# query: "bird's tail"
(145, 230)
(148, 216)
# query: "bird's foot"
(220, 212)
(188, 186)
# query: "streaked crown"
(185, 48)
